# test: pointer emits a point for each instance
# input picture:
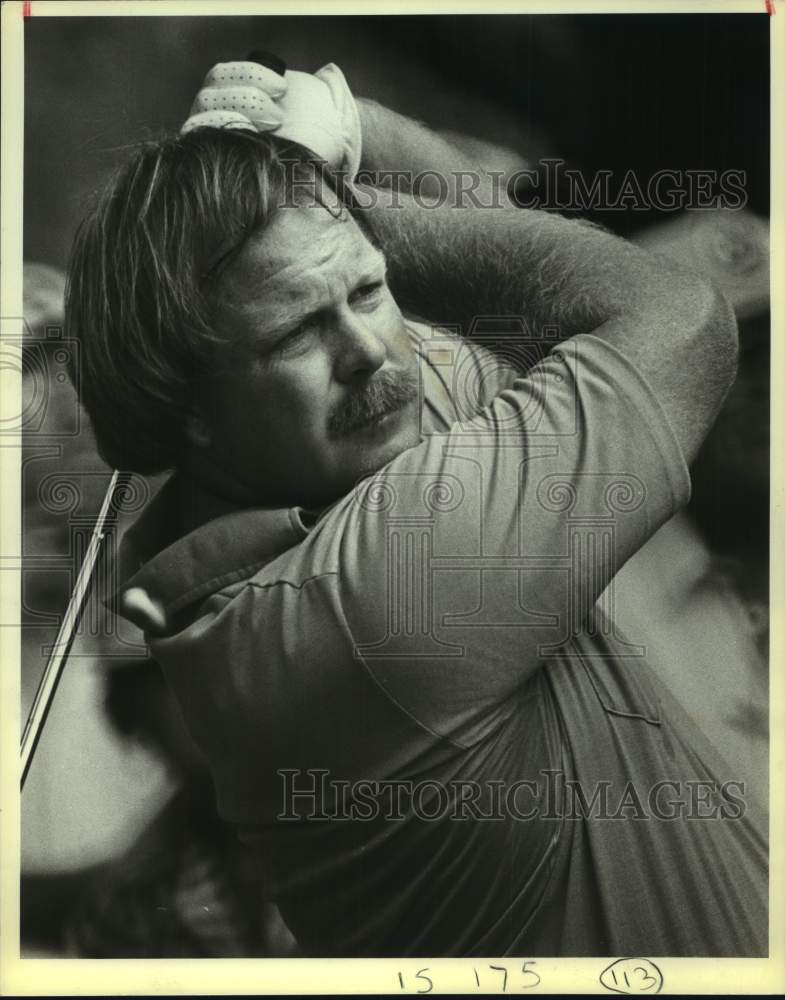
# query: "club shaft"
(65, 636)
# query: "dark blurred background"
(117, 819)
(615, 92)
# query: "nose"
(359, 350)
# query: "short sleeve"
(467, 560)
(459, 377)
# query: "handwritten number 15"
(421, 976)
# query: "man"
(372, 579)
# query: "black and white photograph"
(389, 454)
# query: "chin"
(365, 457)
(383, 456)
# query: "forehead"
(302, 244)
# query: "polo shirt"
(416, 705)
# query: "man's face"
(318, 384)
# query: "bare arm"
(450, 264)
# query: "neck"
(199, 466)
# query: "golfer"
(412, 436)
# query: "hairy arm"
(451, 263)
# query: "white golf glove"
(315, 110)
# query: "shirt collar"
(188, 543)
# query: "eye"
(295, 340)
(367, 292)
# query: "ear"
(197, 430)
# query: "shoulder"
(459, 377)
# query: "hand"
(315, 110)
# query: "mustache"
(388, 392)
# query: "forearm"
(402, 154)
(455, 253)
(450, 264)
